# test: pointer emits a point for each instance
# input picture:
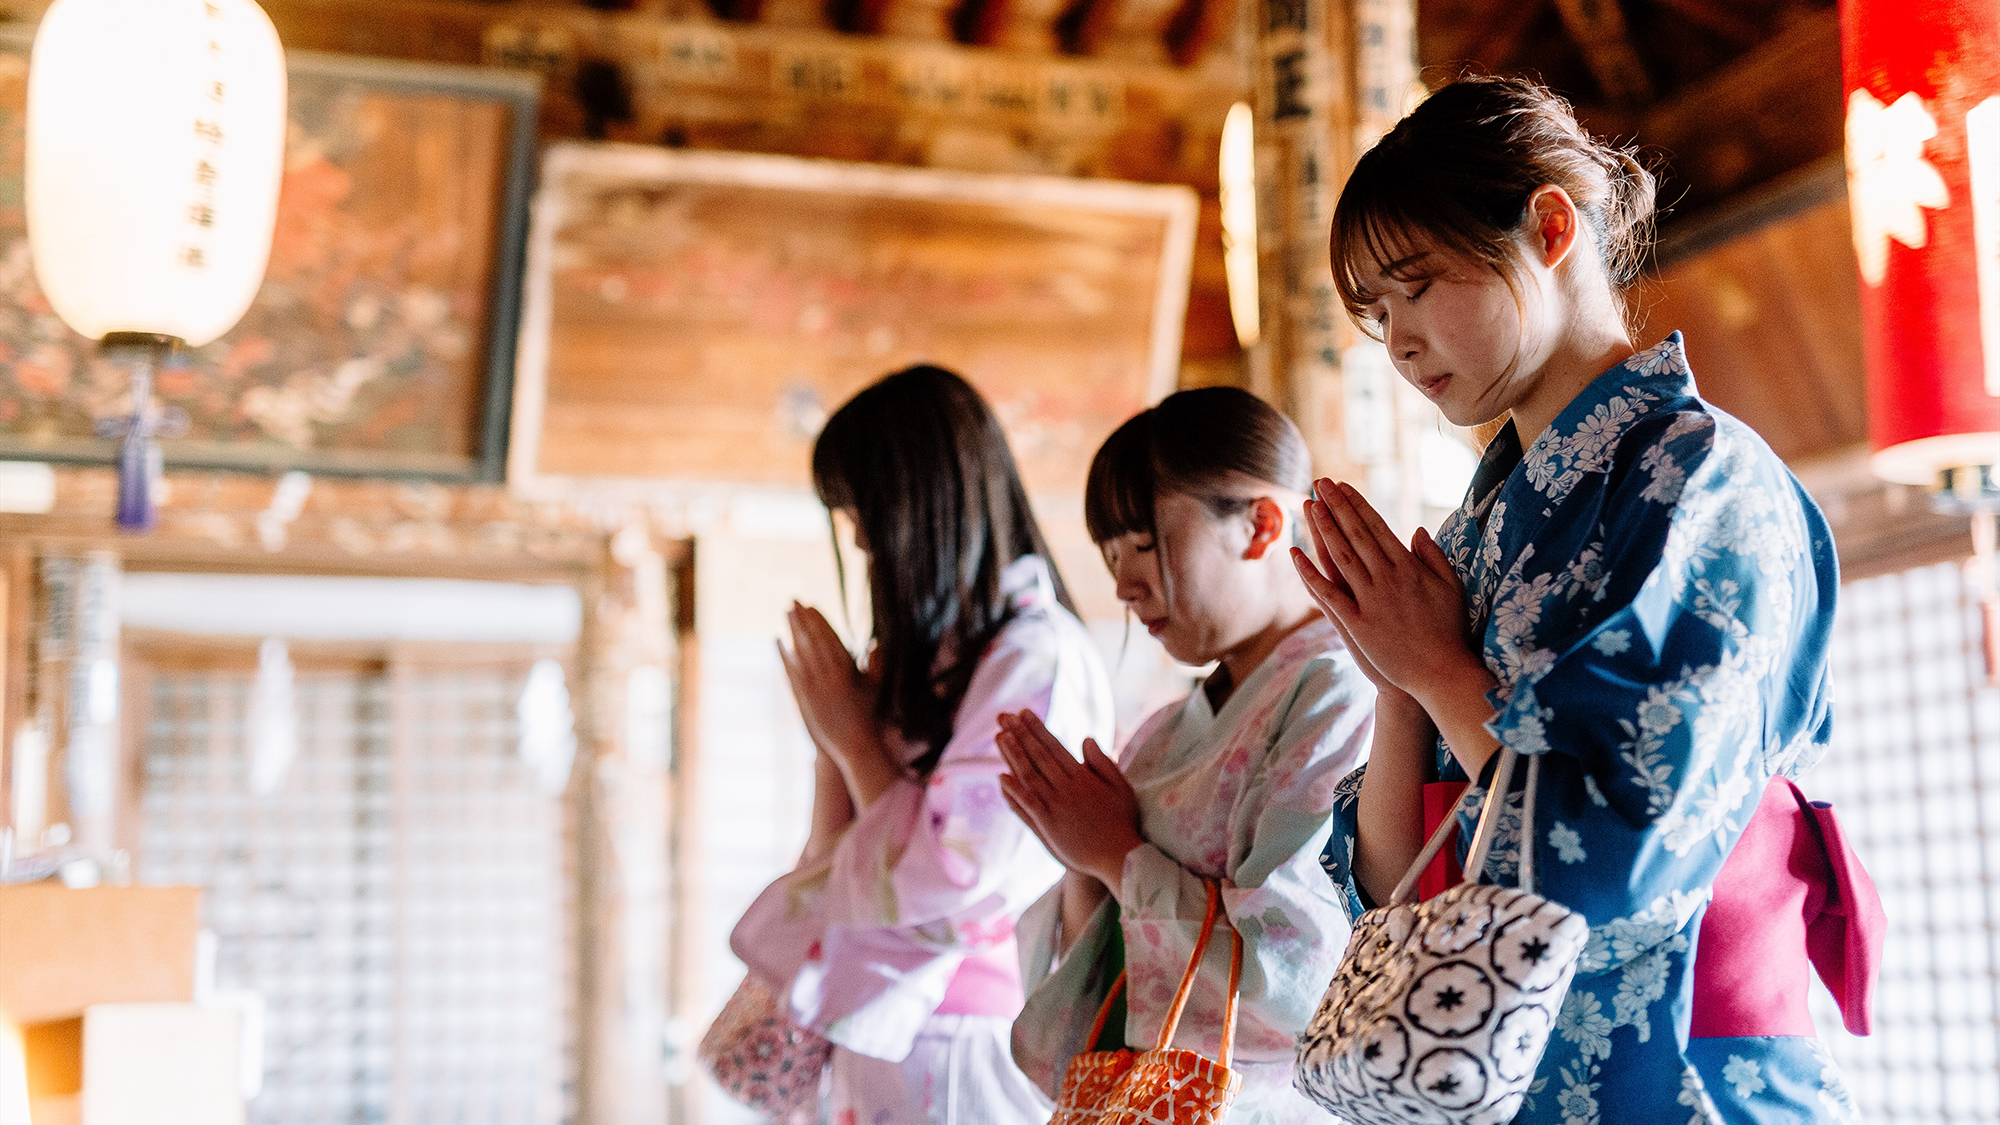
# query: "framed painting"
(382, 342)
(695, 316)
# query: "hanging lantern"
(155, 143)
(1923, 164)
(1238, 178)
(1923, 170)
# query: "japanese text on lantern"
(1922, 85)
(200, 218)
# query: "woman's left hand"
(1404, 610)
(837, 701)
(1085, 812)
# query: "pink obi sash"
(987, 983)
(1792, 891)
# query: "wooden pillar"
(14, 570)
(93, 757)
(622, 832)
(690, 890)
(1386, 88)
(1332, 76)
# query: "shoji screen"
(402, 902)
(1915, 774)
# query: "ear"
(1267, 525)
(1554, 222)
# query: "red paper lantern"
(1922, 79)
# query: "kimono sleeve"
(1343, 826)
(1294, 926)
(1658, 680)
(926, 851)
(1066, 987)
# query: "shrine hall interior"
(402, 718)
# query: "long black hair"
(924, 465)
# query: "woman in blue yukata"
(1647, 593)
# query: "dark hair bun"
(1458, 171)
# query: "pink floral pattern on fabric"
(1243, 796)
(937, 871)
(762, 1059)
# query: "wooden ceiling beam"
(927, 21)
(1775, 110)
(1721, 19)
(1020, 25)
(1129, 30)
(811, 14)
(1598, 26)
(1494, 43)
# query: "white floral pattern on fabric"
(1243, 794)
(1568, 845)
(1745, 1075)
(1833, 1093)
(1578, 1099)
(1652, 589)
(1694, 1095)
(1584, 1023)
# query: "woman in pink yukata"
(894, 937)
(1194, 504)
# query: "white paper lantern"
(1239, 222)
(155, 145)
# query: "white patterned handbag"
(1440, 1010)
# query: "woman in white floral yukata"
(1194, 503)
(894, 937)
(1635, 589)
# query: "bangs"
(1118, 499)
(1388, 214)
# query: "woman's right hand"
(1085, 812)
(836, 701)
(832, 812)
(1319, 575)
(1080, 896)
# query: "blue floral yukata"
(1654, 591)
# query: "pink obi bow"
(1792, 885)
(1791, 891)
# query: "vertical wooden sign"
(1332, 77)
(1302, 100)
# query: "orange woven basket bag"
(1166, 1085)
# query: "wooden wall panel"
(1768, 297)
(704, 314)
(1773, 326)
(671, 74)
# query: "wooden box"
(136, 1064)
(65, 950)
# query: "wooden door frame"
(618, 1070)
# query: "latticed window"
(1915, 774)
(402, 901)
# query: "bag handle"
(1489, 826)
(1173, 1020)
(1104, 1012)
